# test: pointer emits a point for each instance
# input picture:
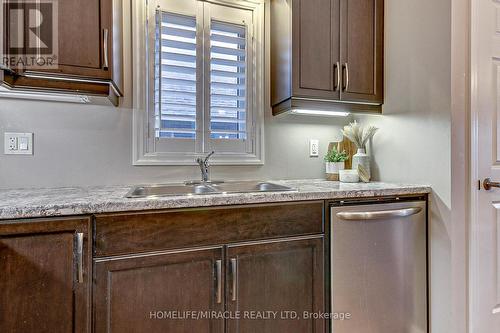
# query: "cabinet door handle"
(336, 74)
(79, 256)
(345, 74)
(105, 49)
(234, 278)
(218, 277)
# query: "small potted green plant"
(335, 160)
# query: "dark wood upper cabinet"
(276, 276)
(362, 35)
(45, 277)
(317, 56)
(89, 51)
(327, 55)
(136, 294)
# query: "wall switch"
(313, 148)
(23, 143)
(18, 143)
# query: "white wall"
(413, 144)
(460, 173)
(92, 145)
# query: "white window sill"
(187, 160)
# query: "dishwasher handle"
(377, 215)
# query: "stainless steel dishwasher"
(379, 267)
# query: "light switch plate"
(314, 148)
(18, 143)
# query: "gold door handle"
(488, 184)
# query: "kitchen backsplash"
(92, 145)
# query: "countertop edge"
(101, 206)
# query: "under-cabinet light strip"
(320, 113)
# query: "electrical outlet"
(313, 148)
(12, 143)
(18, 143)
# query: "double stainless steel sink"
(201, 188)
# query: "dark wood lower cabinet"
(236, 264)
(191, 271)
(44, 277)
(161, 292)
(153, 293)
(273, 285)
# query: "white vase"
(334, 167)
(361, 158)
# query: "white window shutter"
(175, 89)
(204, 83)
(228, 81)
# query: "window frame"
(147, 149)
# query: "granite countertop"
(28, 203)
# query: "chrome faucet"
(204, 166)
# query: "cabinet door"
(45, 283)
(153, 292)
(81, 37)
(282, 279)
(88, 49)
(362, 47)
(316, 53)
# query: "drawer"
(125, 233)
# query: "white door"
(485, 163)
